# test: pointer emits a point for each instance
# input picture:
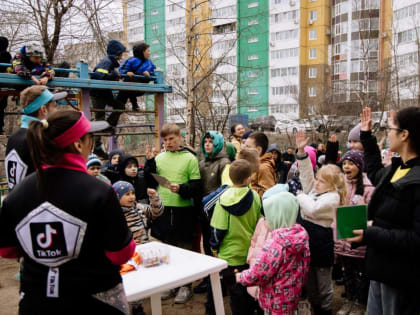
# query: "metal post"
(84, 74)
(159, 106)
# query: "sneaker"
(184, 294)
(357, 309)
(202, 286)
(345, 309)
(101, 153)
(166, 295)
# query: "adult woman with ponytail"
(67, 225)
(392, 236)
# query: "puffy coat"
(261, 235)
(105, 69)
(280, 270)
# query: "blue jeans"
(386, 300)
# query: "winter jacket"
(261, 235)
(137, 66)
(280, 270)
(316, 216)
(24, 67)
(140, 217)
(393, 241)
(280, 167)
(18, 161)
(82, 231)
(214, 165)
(342, 247)
(317, 208)
(105, 69)
(5, 56)
(265, 178)
(233, 223)
(139, 182)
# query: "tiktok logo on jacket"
(51, 236)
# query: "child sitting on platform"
(140, 64)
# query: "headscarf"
(281, 210)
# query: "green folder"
(350, 218)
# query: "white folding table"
(184, 267)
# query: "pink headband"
(74, 133)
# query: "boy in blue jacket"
(106, 69)
(140, 64)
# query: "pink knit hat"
(312, 154)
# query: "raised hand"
(301, 141)
(333, 138)
(149, 153)
(366, 119)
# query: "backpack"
(209, 201)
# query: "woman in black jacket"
(393, 233)
(67, 225)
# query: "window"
(312, 73)
(312, 91)
(155, 12)
(313, 15)
(313, 34)
(252, 5)
(284, 16)
(252, 108)
(196, 52)
(284, 72)
(312, 53)
(155, 41)
(224, 12)
(155, 27)
(252, 40)
(253, 92)
(253, 74)
(337, 49)
(253, 22)
(155, 56)
(285, 35)
(253, 57)
(284, 90)
(284, 53)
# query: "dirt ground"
(9, 296)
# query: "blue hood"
(115, 48)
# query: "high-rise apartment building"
(282, 57)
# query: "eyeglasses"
(388, 129)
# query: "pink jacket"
(341, 247)
(280, 270)
(261, 234)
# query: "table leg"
(156, 304)
(217, 294)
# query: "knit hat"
(115, 48)
(312, 154)
(281, 210)
(93, 160)
(356, 156)
(354, 134)
(121, 187)
(247, 134)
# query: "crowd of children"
(270, 215)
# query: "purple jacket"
(280, 270)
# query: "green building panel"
(155, 36)
(252, 57)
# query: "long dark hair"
(40, 138)
(360, 187)
(409, 119)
